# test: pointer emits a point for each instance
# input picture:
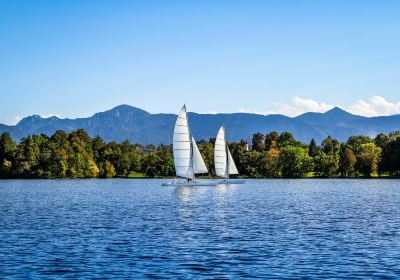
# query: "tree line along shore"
(77, 155)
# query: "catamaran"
(223, 161)
(187, 158)
(189, 162)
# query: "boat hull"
(206, 183)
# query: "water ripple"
(120, 229)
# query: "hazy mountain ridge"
(127, 122)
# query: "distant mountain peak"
(127, 108)
(337, 111)
(37, 120)
(30, 119)
(122, 111)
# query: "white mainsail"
(198, 163)
(220, 156)
(224, 164)
(182, 146)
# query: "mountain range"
(138, 126)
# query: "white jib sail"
(181, 146)
(232, 166)
(220, 156)
(198, 163)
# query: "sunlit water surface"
(137, 229)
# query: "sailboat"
(223, 161)
(187, 158)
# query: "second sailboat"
(224, 163)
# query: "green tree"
(58, 162)
(287, 139)
(7, 153)
(269, 164)
(356, 142)
(250, 163)
(165, 155)
(7, 147)
(98, 146)
(258, 142)
(347, 160)
(295, 162)
(61, 140)
(81, 162)
(122, 158)
(368, 159)
(93, 170)
(330, 146)
(327, 160)
(390, 159)
(152, 165)
(236, 150)
(381, 140)
(109, 170)
(5, 169)
(313, 149)
(271, 140)
(27, 157)
(43, 169)
(77, 166)
(326, 165)
(394, 135)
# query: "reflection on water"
(138, 229)
(185, 193)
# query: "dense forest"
(77, 155)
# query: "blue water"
(85, 229)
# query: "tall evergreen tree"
(258, 142)
(7, 152)
(313, 149)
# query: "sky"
(75, 58)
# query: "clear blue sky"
(75, 58)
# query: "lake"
(137, 229)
